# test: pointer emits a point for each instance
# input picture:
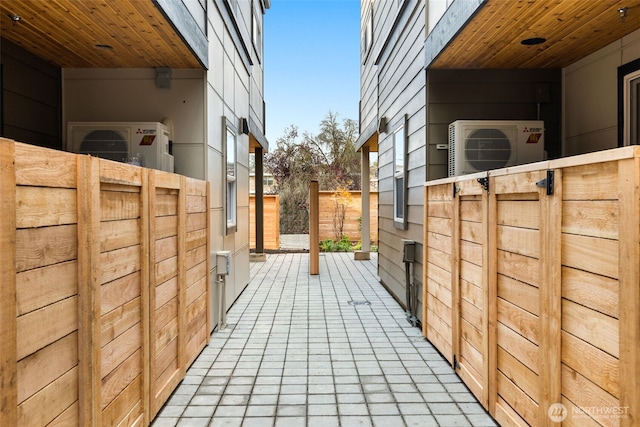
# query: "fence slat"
(550, 299)
(629, 267)
(88, 202)
(8, 348)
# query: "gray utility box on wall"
(223, 260)
(409, 251)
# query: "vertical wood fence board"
(146, 248)
(88, 289)
(473, 311)
(425, 241)
(629, 196)
(182, 277)
(455, 282)
(8, 312)
(209, 296)
(550, 298)
(153, 285)
(490, 295)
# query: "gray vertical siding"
(394, 83)
(401, 91)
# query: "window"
(632, 108)
(230, 139)
(256, 32)
(399, 172)
(367, 34)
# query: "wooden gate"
(532, 287)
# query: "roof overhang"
(257, 138)
(489, 33)
(369, 137)
(106, 33)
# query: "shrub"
(342, 245)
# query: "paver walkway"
(327, 350)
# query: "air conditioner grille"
(487, 149)
(107, 144)
(452, 149)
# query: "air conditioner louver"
(107, 144)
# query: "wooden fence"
(105, 283)
(353, 214)
(532, 288)
(327, 210)
(271, 232)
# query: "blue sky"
(311, 60)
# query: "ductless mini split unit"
(481, 145)
(143, 143)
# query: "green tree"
(330, 158)
(341, 161)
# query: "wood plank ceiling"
(77, 33)
(573, 29)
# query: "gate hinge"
(456, 189)
(456, 365)
(484, 182)
(548, 182)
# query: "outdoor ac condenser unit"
(122, 142)
(481, 145)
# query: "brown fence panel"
(539, 305)
(164, 299)
(45, 283)
(437, 289)
(591, 295)
(196, 277)
(123, 281)
(271, 221)
(353, 215)
(470, 301)
(519, 235)
(108, 266)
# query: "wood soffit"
(66, 32)
(573, 29)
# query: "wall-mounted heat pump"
(481, 145)
(143, 143)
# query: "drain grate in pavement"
(362, 302)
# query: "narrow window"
(367, 36)
(632, 108)
(629, 103)
(399, 187)
(230, 140)
(256, 32)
